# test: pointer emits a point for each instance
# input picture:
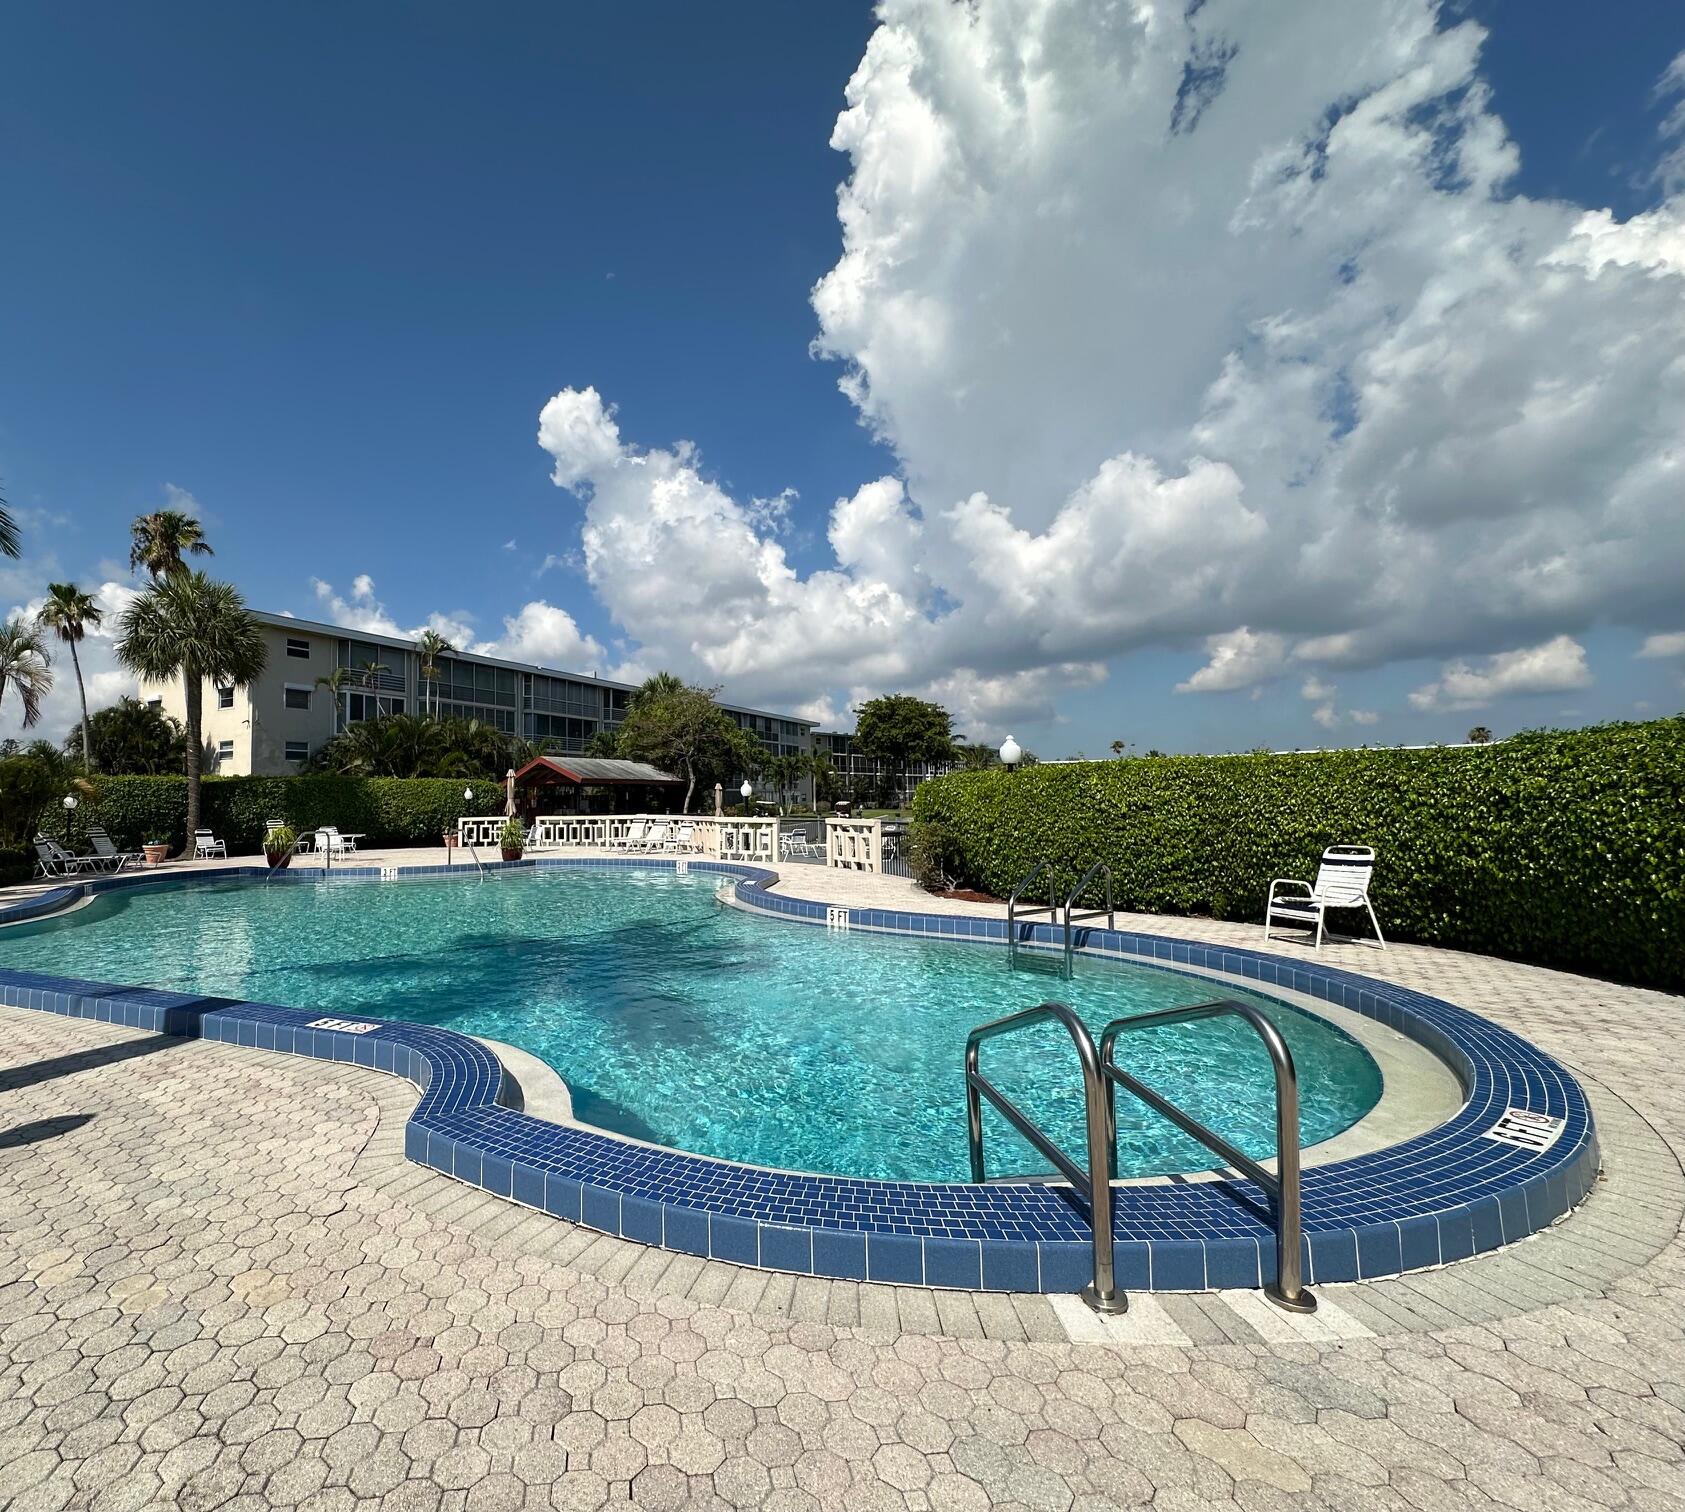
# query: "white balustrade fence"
(726, 839)
(854, 844)
(479, 830)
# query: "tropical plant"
(605, 743)
(1479, 735)
(785, 773)
(826, 785)
(370, 673)
(68, 612)
(188, 626)
(1120, 747)
(161, 541)
(975, 758)
(134, 737)
(413, 745)
(27, 786)
(334, 684)
(900, 731)
(680, 728)
(11, 544)
(23, 665)
(279, 841)
(430, 646)
(513, 835)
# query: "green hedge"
(389, 810)
(1563, 848)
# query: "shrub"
(1562, 847)
(933, 854)
(388, 810)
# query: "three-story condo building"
(273, 727)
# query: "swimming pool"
(704, 1029)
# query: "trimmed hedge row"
(1566, 848)
(389, 810)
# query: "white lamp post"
(70, 801)
(1011, 753)
(748, 791)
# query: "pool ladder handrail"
(1014, 913)
(1108, 912)
(1101, 1075)
(485, 871)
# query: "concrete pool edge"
(1440, 1197)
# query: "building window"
(298, 750)
(298, 648)
(297, 697)
(224, 751)
(224, 697)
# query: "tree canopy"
(133, 738)
(682, 729)
(902, 730)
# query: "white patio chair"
(206, 844)
(685, 841)
(656, 839)
(106, 851)
(1342, 881)
(329, 839)
(633, 839)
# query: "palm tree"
(23, 665)
(1479, 735)
(372, 672)
(10, 544)
(335, 683)
(67, 613)
(430, 646)
(160, 539)
(187, 626)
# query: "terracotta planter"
(155, 854)
(278, 860)
(450, 840)
(512, 852)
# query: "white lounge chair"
(206, 844)
(656, 839)
(685, 841)
(56, 861)
(107, 851)
(633, 839)
(1342, 881)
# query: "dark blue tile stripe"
(1443, 1195)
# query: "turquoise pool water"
(675, 1019)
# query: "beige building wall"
(259, 725)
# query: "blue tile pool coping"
(1439, 1197)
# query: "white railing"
(855, 844)
(725, 839)
(480, 829)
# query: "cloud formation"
(1204, 325)
(1553, 667)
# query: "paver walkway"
(222, 1286)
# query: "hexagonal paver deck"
(221, 1285)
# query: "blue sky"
(320, 269)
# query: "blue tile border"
(1444, 1195)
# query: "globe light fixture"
(1011, 753)
(70, 801)
(747, 790)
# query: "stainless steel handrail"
(1093, 913)
(484, 871)
(1014, 913)
(1286, 1290)
(1102, 1295)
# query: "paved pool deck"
(222, 1285)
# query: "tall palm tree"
(23, 665)
(189, 627)
(430, 646)
(335, 683)
(67, 613)
(160, 541)
(372, 672)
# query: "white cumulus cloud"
(1553, 667)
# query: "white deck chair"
(107, 851)
(656, 839)
(634, 836)
(206, 844)
(1342, 881)
(685, 841)
(56, 861)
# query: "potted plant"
(279, 845)
(513, 839)
(156, 851)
